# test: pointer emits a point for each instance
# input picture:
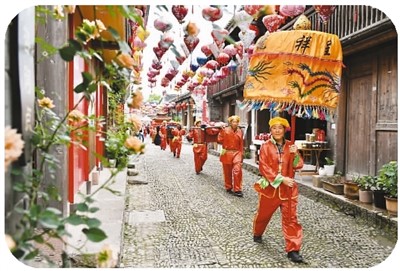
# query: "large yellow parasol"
(296, 71)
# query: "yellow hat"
(279, 120)
(234, 117)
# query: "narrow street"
(183, 220)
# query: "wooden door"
(358, 123)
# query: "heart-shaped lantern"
(165, 82)
(212, 64)
(230, 50)
(166, 40)
(156, 64)
(219, 35)
(206, 50)
(191, 29)
(273, 22)
(180, 12)
(212, 13)
(291, 10)
(191, 42)
(159, 52)
(201, 60)
(223, 58)
(162, 24)
(324, 12)
(253, 10)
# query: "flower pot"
(391, 205)
(329, 170)
(335, 188)
(365, 196)
(112, 162)
(379, 199)
(351, 190)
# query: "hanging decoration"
(297, 71)
(212, 14)
(180, 12)
(324, 12)
(162, 24)
(302, 23)
(291, 10)
(219, 36)
(273, 22)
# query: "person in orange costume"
(177, 132)
(277, 188)
(231, 155)
(163, 131)
(199, 146)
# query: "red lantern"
(219, 35)
(191, 42)
(291, 10)
(206, 50)
(212, 14)
(273, 22)
(180, 12)
(324, 12)
(223, 59)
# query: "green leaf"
(94, 209)
(93, 222)
(82, 207)
(95, 234)
(87, 77)
(68, 52)
(75, 219)
(80, 88)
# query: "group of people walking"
(278, 160)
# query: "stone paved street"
(183, 220)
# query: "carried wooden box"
(211, 133)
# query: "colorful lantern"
(291, 10)
(273, 22)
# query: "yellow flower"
(126, 61)
(46, 103)
(136, 123)
(135, 144)
(75, 116)
(13, 145)
(137, 100)
(105, 258)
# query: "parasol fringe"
(293, 109)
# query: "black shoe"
(238, 194)
(294, 256)
(257, 239)
(229, 191)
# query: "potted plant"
(365, 184)
(334, 184)
(351, 188)
(329, 166)
(387, 177)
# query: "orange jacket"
(232, 145)
(268, 165)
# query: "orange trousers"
(292, 230)
(200, 156)
(233, 172)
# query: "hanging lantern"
(219, 35)
(232, 66)
(324, 12)
(206, 50)
(191, 29)
(247, 38)
(180, 12)
(273, 22)
(291, 10)
(191, 42)
(302, 23)
(253, 10)
(162, 24)
(211, 13)
(212, 64)
(223, 58)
